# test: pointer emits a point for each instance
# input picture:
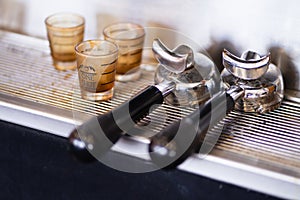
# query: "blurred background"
(248, 24)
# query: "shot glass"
(130, 39)
(64, 31)
(96, 64)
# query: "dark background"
(38, 165)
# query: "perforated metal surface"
(268, 141)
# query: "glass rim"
(98, 41)
(80, 24)
(106, 30)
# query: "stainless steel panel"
(259, 152)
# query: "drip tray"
(258, 152)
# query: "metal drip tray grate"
(273, 137)
(260, 152)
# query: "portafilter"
(181, 72)
(252, 84)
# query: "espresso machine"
(254, 145)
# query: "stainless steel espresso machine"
(257, 149)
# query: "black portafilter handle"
(177, 142)
(100, 133)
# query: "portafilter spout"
(100, 133)
(178, 60)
